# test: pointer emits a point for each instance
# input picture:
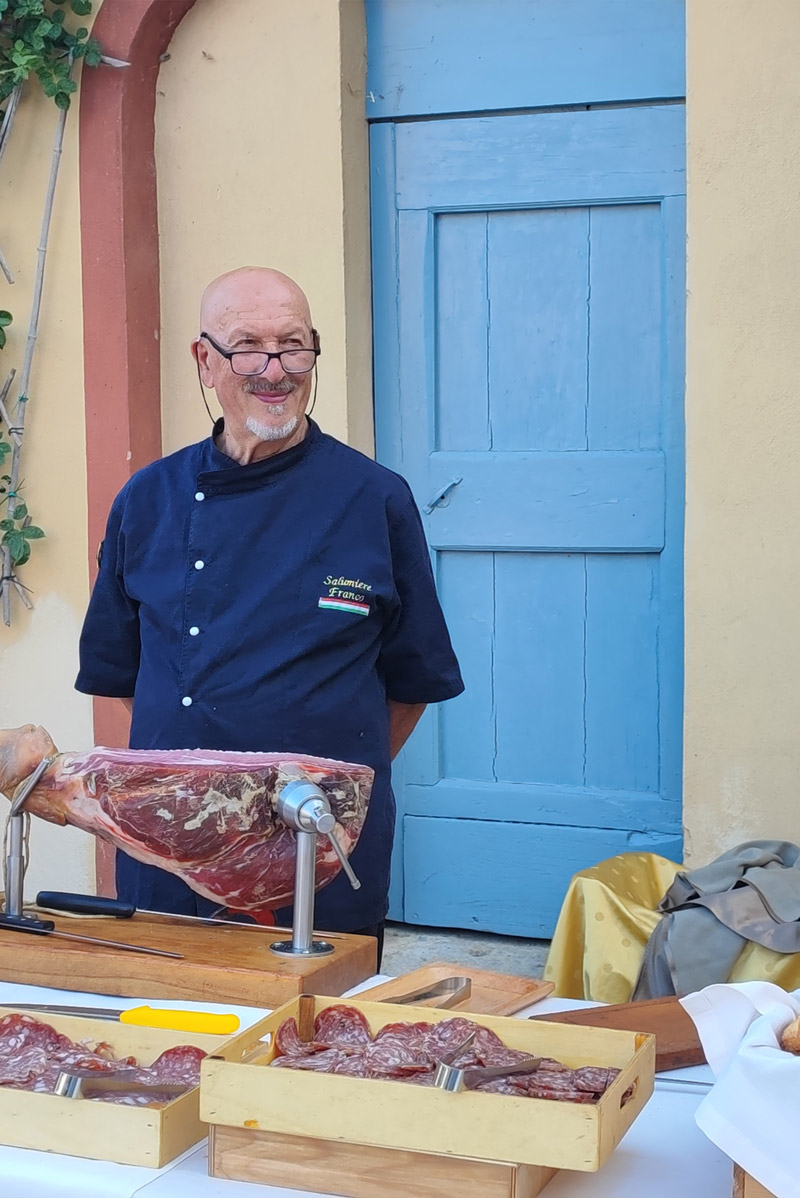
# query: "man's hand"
(403, 719)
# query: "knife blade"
(86, 904)
(201, 1022)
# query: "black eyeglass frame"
(230, 354)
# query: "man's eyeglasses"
(256, 361)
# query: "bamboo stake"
(5, 130)
(5, 268)
(8, 575)
(4, 390)
(8, 117)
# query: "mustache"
(285, 387)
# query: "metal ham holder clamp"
(15, 856)
(305, 808)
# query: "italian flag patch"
(361, 609)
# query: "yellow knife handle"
(201, 1022)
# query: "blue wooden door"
(528, 297)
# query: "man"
(269, 589)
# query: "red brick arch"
(119, 257)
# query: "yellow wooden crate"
(105, 1131)
(745, 1186)
(480, 1126)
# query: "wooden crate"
(487, 1128)
(104, 1131)
(745, 1186)
(358, 1171)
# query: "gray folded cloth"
(751, 893)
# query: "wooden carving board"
(222, 964)
(677, 1042)
(492, 993)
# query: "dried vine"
(35, 40)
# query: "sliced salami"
(32, 1054)
(409, 1052)
(445, 1037)
(318, 1062)
(288, 1042)
(341, 1027)
(175, 1066)
(352, 1064)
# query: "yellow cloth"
(606, 919)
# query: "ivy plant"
(5, 320)
(36, 39)
(17, 535)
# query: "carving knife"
(89, 904)
(201, 1022)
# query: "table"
(664, 1153)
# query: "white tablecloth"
(663, 1154)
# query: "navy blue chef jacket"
(273, 606)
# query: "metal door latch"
(440, 496)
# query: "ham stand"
(15, 857)
(304, 807)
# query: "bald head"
(257, 349)
(254, 291)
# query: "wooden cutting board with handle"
(677, 1042)
(491, 994)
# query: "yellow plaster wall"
(742, 722)
(39, 653)
(261, 147)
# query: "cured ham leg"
(209, 817)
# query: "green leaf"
(15, 544)
(92, 53)
(5, 317)
(6, 525)
(2, 339)
(21, 510)
(22, 554)
(62, 100)
(4, 449)
(81, 8)
(32, 532)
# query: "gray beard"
(271, 432)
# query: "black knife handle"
(27, 923)
(84, 904)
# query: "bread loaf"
(790, 1036)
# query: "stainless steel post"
(305, 866)
(304, 807)
(15, 866)
(15, 856)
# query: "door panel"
(528, 313)
(470, 874)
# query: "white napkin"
(752, 1112)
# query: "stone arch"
(120, 268)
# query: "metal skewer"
(46, 927)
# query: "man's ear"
(315, 341)
(199, 351)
